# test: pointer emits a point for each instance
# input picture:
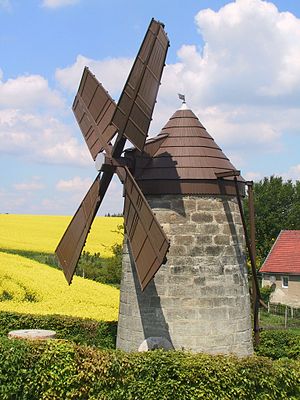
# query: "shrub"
(60, 370)
(279, 344)
(84, 331)
(266, 292)
(103, 270)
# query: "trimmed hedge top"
(62, 370)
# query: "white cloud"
(252, 52)
(58, 3)
(40, 138)
(29, 186)
(74, 185)
(6, 5)
(111, 72)
(29, 92)
(293, 173)
(10, 202)
(253, 176)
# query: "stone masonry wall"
(198, 300)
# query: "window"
(285, 281)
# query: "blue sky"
(238, 63)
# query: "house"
(282, 269)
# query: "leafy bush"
(104, 270)
(265, 292)
(279, 344)
(83, 331)
(60, 370)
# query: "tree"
(277, 207)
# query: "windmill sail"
(135, 107)
(69, 248)
(93, 108)
(99, 119)
(148, 242)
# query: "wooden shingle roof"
(183, 158)
(284, 256)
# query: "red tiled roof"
(284, 255)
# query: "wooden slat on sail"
(93, 108)
(148, 242)
(71, 244)
(135, 107)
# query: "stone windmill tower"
(198, 300)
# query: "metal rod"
(252, 218)
(255, 288)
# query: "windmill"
(179, 183)
(199, 300)
(100, 119)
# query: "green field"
(28, 286)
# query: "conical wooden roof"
(184, 159)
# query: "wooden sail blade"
(69, 248)
(135, 107)
(148, 242)
(93, 108)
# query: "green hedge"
(82, 331)
(279, 344)
(64, 370)
(273, 343)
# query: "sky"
(237, 62)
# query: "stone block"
(178, 290)
(203, 239)
(183, 240)
(177, 269)
(207, 229)
(169, 217)
(186, 314)
(182, 229)
(222, 239)
(179, 280)
(201, 217)
(189, 204)
(177, 250)
(221, 218)
(207, 203)
(196, 251)
(214, 250)
(200, 281)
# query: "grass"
(272, 321)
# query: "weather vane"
(181, 97)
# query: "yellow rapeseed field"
(42, 233)
(27, 286)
